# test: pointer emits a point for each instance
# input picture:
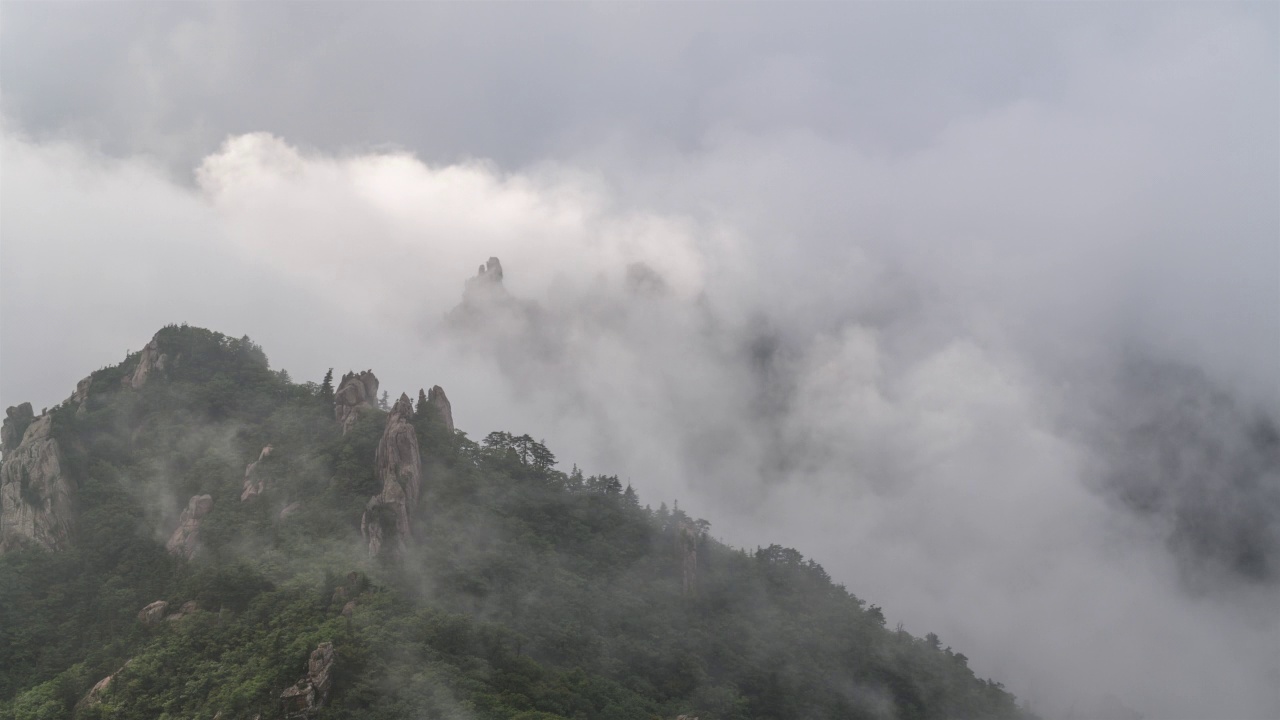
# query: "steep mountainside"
(193, 535)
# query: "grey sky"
(914, 252)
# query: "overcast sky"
(925, 265)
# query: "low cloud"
(1015, 381)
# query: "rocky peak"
(489, 273)
(16, 420)
(305, 698)
(37, 500)
(436, 398)
(486, 286)
(186, 537)
(356, 392)
(399, 467)
(151, 360)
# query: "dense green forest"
(518, 590)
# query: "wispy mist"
(997, 348)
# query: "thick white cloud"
(899, 298)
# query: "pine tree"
(326, 387)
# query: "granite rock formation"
(94, 696)
(186, 538)
(437, 399)
(305, 698)
(152, 360)
(153, 613)
(399, 467)
(16, 420)
(254, 483)
(81, 395)
(37, 500)
(355, 393)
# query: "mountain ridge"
(447, 577)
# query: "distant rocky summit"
(487, 282)
(484, 296)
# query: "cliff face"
(399, 467)
(254, 483)
(16, 420)
(355, 393)
(81, 395)
(305, 698)
(152, 360)
(186, 538)
(37, 501)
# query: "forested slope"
(376, 563)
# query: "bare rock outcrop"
(399, 467)
(94, 696)
(254, 483)
(356, 392)
(186, 538)
(16, 421)
(188, 608)
(37, 500)
(153, 613)
(81, 395)
(305, 698)
(437, 399)
(289, 509)
(151, 360)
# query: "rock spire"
(399, 467)
(437, 399)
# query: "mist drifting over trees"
(977, 307)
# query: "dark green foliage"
(527, 592)
(326, 387)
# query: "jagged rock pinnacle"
(437, 399)
(399, 467)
